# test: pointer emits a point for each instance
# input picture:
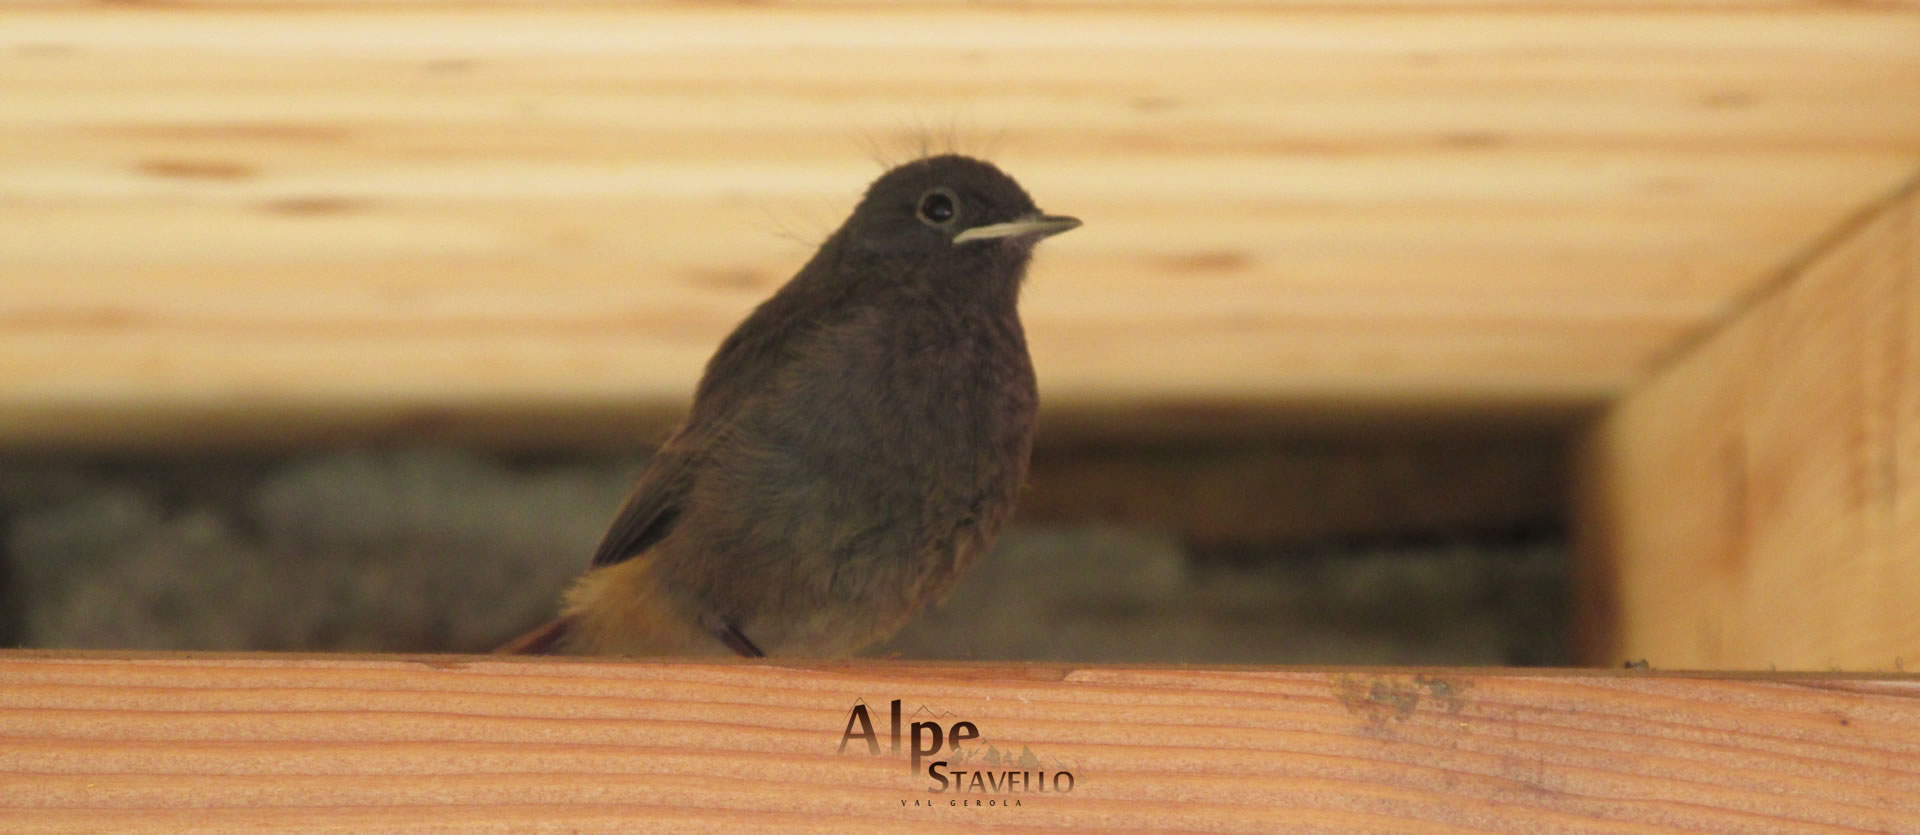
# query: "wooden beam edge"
(1778, 279)
(902, 667)
(179, 742)
(1699, 438)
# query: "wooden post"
(1757, 503)
(178, 743)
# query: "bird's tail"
(622, 609)
(543, 640)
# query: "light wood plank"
(321, 218)
(1758, 503)
(212, 743)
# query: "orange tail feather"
(543, 640)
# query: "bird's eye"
(938, 207)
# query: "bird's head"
(952, 209)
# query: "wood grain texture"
(1758, 503)
(306, 219)
(198, 744)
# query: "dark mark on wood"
(1384, 699)
(1727, 99)
(1376, 699)
(1214, 261)
(188, 169)
(314, 205)
(1471, 139)
(1448, 692)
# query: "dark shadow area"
(1361, 551)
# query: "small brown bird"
(853, 447)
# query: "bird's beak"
(1037, 225)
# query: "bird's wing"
(651, 509)
(735, 380)
(732, 384)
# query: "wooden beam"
(1757, 503)
(206, 743)
(309, 220)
